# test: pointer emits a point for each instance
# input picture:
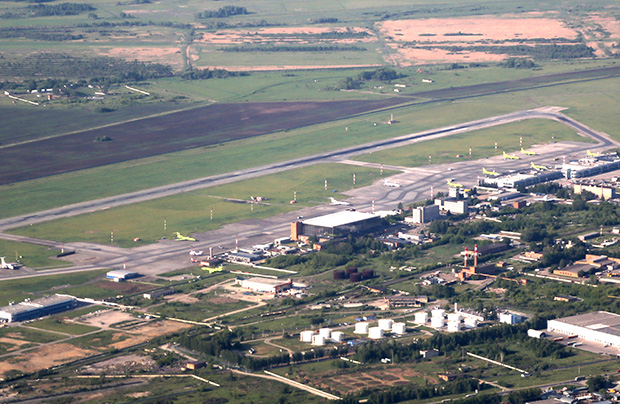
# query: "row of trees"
(293, 48)
(382, 74)
(223, 12)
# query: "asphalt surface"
(416, 184)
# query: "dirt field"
(464, 32)
(105, 319)
(150, 330)
(299, 35)
(153, 136)
(44, 357)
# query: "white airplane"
(337, 202)
(391, 184)
(195, 253)
(6, 265)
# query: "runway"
(415, 185)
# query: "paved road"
(416, 185)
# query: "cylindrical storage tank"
(375, 333)
(350, 270)
(454, 326)
(318, 340)
(355, 277)
(471, 322)
(337, 336)
(385, 324)
(438, 313)
(399, 328)
(326, 333)
(454, 317)
(421, 317)
(437, 322)
(306, 336)
(368, 274)
(339, 274)
(361, 328)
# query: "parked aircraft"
(6, 265)
(337, 202)
(510, 156)
(214, 269)
(195, 253)
(181, 237)
(529, 153)
(538, 167)
(594, 154)
(391, 184)
(487, 172)
(454, 184)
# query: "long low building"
(265, 285)
(600, 327)
(30, 309)
(335, 225)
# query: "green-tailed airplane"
(181, 237)
(529, 153)
(214, 269)
(538, 167)
(487, 172)
(594, 154)
(454, 184)
(510, 156)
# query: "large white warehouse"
(600, 326)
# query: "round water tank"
(438, 313)
(368, 273)
(375, 333)
(306, 336)
(421, 317)
(399, 328)
(385, 324)
(437, 322)
(351, 270)
(471, 322)
(318, 340)
(454, 317)
(326, 333)
(355, 277)
(361, 328)
(454, 326)
(339, 274)
(337, 336)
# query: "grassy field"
(60, 325)
(17, 289)
(30, 335)
(191, 212)
(32, 256)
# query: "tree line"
(223, 12)
(293, 48)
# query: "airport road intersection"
(415, 184)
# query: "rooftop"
(339, 219)
(596, 320)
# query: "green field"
(60, 325)
(191, 212)
(30, 255)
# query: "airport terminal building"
(31, 309)
(600, 327)
(336, 225)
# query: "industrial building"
(591, 166)
(521, 179)
(265, 285)
(600, 327)
(601, 191)
(425, 214)
(30, 309)
(335, 225)
(121, 275)
(453, 205)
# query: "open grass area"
(482, 143)
(61, 325)
(209, 305)
(30, 255)
(30, 335)
(17, 289)
(191, 211)
(101, 340)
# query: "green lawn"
(30, 255)
(59, 324)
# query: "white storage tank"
(306, 336)
(438, 313)
(437, 322)
(375, 333)
(421, 317)
(454, 326)
(454, 317)
(399, 328)
(326, 333)
(471, 322)
(337, 336)
(361, 328)
(385, 324)
(318, 340)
